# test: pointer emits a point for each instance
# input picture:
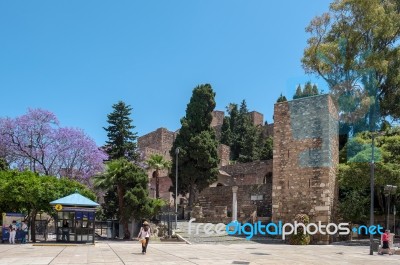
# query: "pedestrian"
(385, 243)
(144, 236)
(13, 231)
(24, 228)
(65, 231)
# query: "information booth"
(75, 219)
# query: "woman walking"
(144, 236)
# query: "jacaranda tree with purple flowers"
(35, 141)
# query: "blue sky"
(77, 58)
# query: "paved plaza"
(173, 253)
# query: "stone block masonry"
(305, 160)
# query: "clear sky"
(76, 58)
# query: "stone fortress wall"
(301, 178)
(305, 160)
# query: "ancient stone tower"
(305, 160)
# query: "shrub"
(300, 238)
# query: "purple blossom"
(35, 141)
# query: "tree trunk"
(33, 226)
(122, 214)
(157, 184)
(191, 197)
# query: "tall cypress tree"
(299, 92)
(121, 139)
(315, 90)
(198, 156)
(307, 90)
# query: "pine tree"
(226, 133)
(267, 149)
(121, 141)
(198, 156)
(307, 90)
(299, 93)
(315, 90)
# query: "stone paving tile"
(130, 253)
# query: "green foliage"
(300, 238)
(27, 192)
(355, 49)
(226, 133)
(3, 164)
(281, 98)
(354, 175)
(198, 157)
(309, 90)
(157, 162)
(246, 140)
(121, 141)
(267, 149)
(299, 92)
(130, 182)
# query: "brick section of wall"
(305, 160)
(249, 173)
(268, 130)
(160, 139)
(256, 118)
(217, 118)
(224, 153)
(211, 197)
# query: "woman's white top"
(143, 233)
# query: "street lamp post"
(394, 218)
(372, 180)
(176, 187)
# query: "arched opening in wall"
(220, 185)
(267, 178)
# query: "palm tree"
(116, 174)
(157, 162)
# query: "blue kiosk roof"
(75, 199)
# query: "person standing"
(13, 232)
(144, 236)
(385, 243)
(24, 228)
(65, 231)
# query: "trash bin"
(375, 245)
(109, 229)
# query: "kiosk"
(75, 219)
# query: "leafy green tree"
(121, 141)
(281, 98)
(299, 93)
(354, 175)
(29, 193)
(355, 49)
(157, 162)
(267, 149)
(130, 181)
(198, 156)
